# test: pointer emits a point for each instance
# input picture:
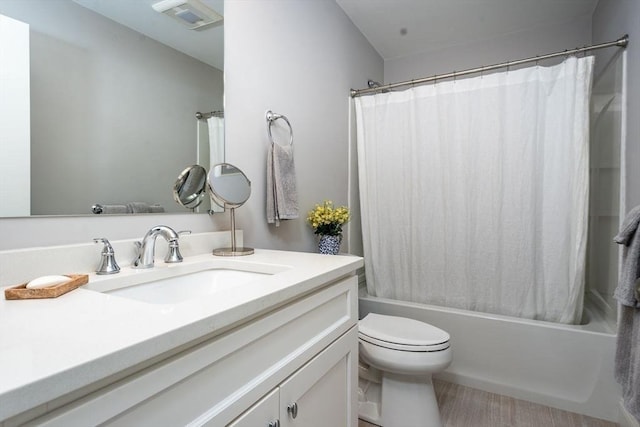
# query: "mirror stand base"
(232, 251)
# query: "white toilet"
(399, 356)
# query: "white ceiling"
(437, 24)
(206, 45)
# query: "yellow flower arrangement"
(325, 219)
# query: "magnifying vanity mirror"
(229, 188)
(190, 187)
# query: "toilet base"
(369, 397)
(409, 402)
(404, 401)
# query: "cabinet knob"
(275, 423)
(292, 409)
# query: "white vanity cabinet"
(302, 353)
(319, 394)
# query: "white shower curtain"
(474, 193)
(216, 140)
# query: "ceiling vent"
(192, 13)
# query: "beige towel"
(282, 194)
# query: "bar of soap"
(46, 281)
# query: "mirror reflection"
(229, 186)
(189, 189)
(106, 113)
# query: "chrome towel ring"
(272, 117)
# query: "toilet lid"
(402, 333)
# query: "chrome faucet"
(146, 248)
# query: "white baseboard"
(626, 419)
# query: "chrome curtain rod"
(201, 116)
(621, 42)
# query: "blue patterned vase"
(329, 244)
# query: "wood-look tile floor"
(467, 407)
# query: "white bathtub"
(569, 367)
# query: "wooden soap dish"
(21, 291)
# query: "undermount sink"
(188, 286)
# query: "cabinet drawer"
(266, 411)
(222, 377)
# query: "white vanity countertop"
(50, 347)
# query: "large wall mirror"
(114, 88)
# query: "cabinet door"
(324, 391)
(263, 414)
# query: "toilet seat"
(401, 347)
(402, 334)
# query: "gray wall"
(297, 58)
(612, 19)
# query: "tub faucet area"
(146, 248)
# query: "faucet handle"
(108, 264)
(107, 246)
(174, 254)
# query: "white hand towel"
(282, 194)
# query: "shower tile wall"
(604, 211)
